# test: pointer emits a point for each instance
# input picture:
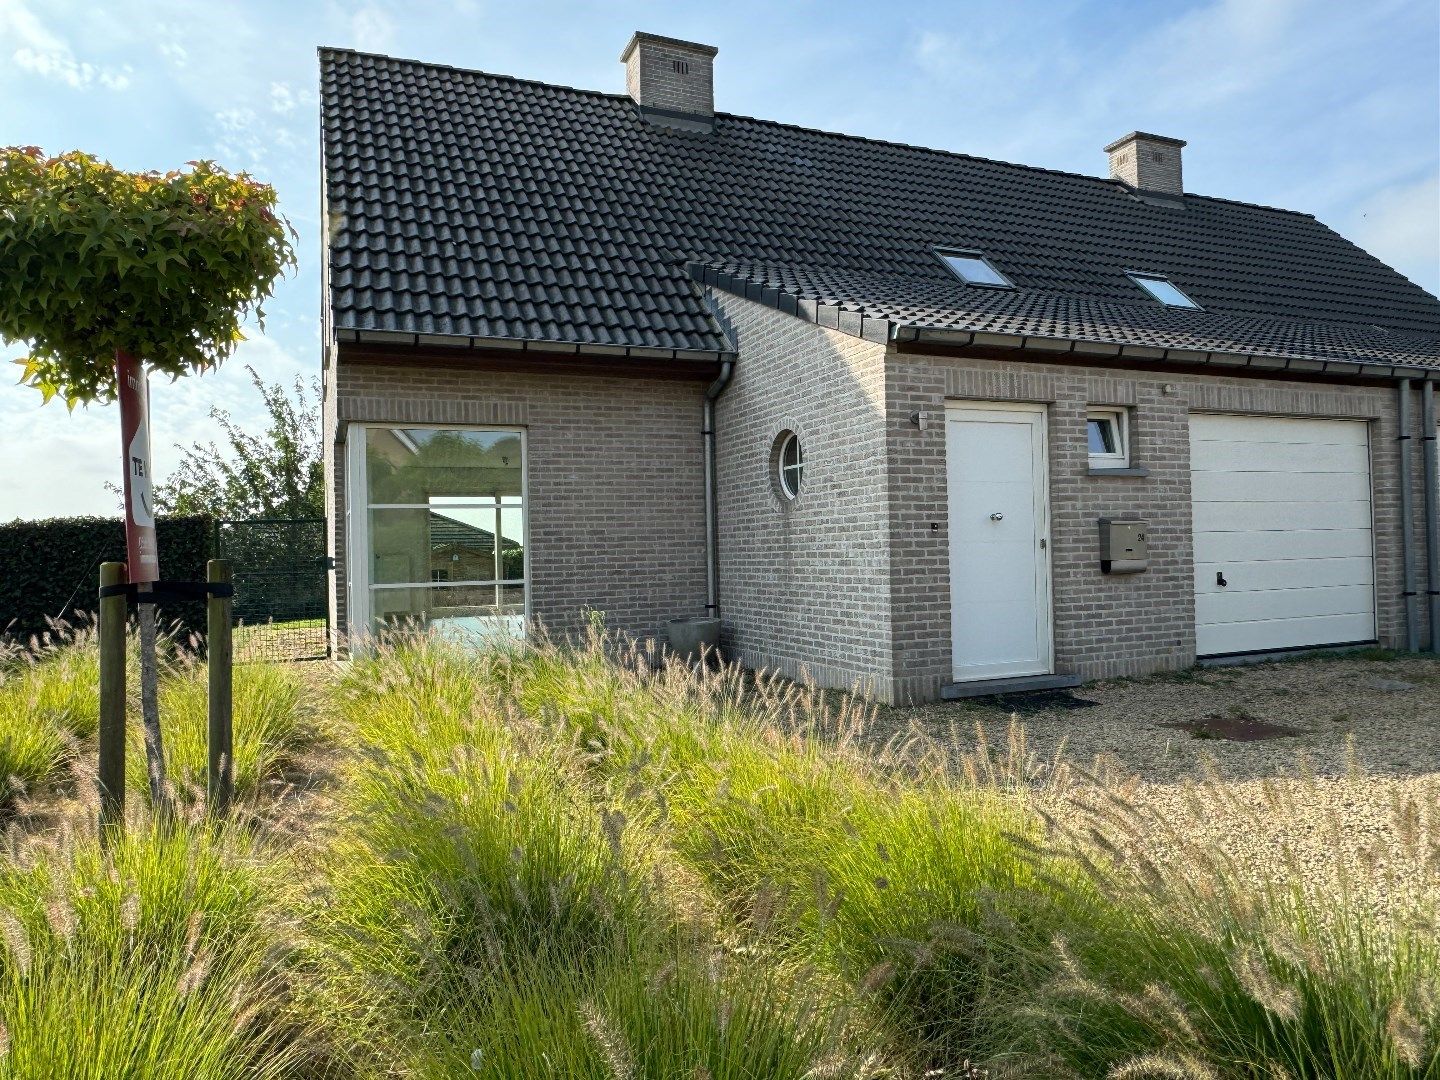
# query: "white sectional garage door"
(1282, 518)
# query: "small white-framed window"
(974, 268)
(1163, 289)
(1108, 433)
(789, 464)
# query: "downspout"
(712, 493)
(1432, 512)
(1407, 546)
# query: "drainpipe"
(1432, 512)
(1407, 547)
(712, 495)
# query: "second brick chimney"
(1149, 162)
(672, 81)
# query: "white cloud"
(64, 460)
(282, 98)
(249, 141)
(372, 29)
(63, 67)
(42, 52)
(173, 51)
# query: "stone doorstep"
(1025, 684)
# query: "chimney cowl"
(672, 81)
(1148, 162)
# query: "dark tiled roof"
(952, 305)
(485, 206)
(448, 530)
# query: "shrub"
(881, 872)
(1196, 965)
(645, 1012)
(59, 681)
(31, 755)
(273, 718)
(459, 846)
(49, 699)
(155, 960)
(492, 915)
(50, 569)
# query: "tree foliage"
(278, 473)
(164, 266)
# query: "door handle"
(997, 517)
(1220, 578)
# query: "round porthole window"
(789, 464)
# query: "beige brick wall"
(1104, 625)
(1150, 164)
(849, 585)
(804, 584)
(615, 474)
(652, 78)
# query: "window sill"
(1133, 470)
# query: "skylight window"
(1161, 289)
(974, 269)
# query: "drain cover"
(1235, 728)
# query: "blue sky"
(1324, 106)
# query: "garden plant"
(574, 860)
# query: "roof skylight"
(1161, 289)
(974, 269)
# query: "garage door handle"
(1220, 578)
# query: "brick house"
(902, 418)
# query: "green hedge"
(52, 567)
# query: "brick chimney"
(1148, 162)
(672, 81)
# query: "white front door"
(999, 533)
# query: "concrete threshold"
(1023, 684)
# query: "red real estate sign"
(142, 552)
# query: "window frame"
(1140, 277)
(946, 254)
(1119, 418)
(358, 585)
(783, 484)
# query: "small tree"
(99, 265)
(277, 473)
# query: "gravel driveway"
(1294, 795)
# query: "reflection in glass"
(413, 545)
(478, 612)
(446, 528)
(414, 465)
(1102, 436)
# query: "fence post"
(111, 773)
(220, 773)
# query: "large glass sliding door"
(437, 519)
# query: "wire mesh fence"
(281, 608)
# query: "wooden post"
(220, 774)
(111, 776)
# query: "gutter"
(1407, 525)
(1432, 512)
(528, 346)
(1079, 347)
(712, 493)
